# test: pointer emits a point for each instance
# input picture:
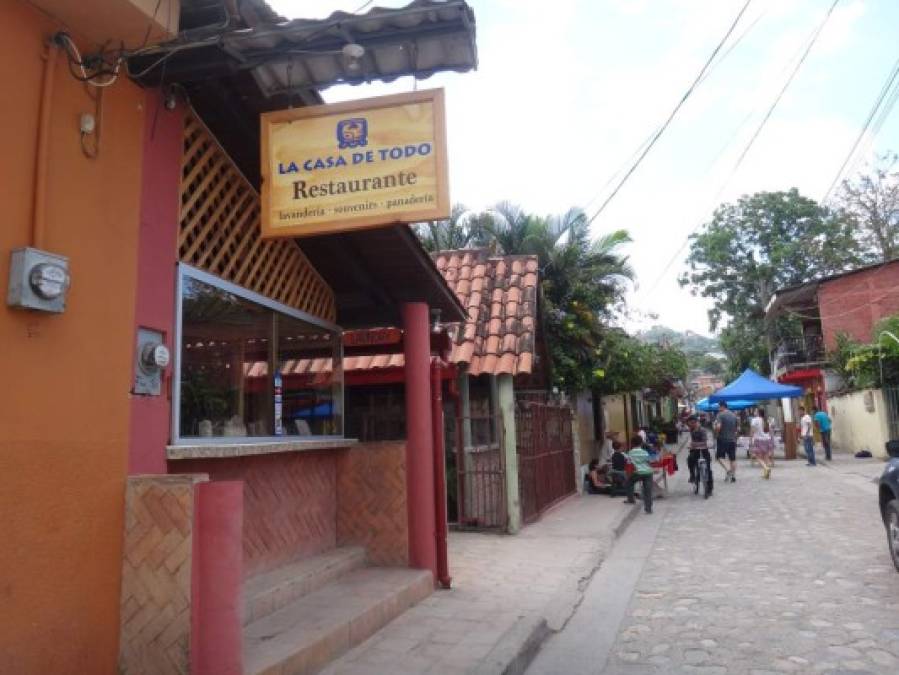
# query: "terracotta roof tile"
(487, 364)
(526, 362)
(506, 365)
(510, 343)
(500, 295)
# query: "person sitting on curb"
(618, 470)
(642, 473)
(593, 480)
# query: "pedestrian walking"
(825, 425)
(642, 473)
(726, 428)
(762, 441)
(807, 435)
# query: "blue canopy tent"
(751, 386)
(704, 405)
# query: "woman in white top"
(762, 442)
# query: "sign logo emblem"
(352, 133)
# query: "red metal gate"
(545, 456)
(480, 473)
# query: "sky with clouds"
(566, 92)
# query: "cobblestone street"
(787, 575)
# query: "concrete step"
(317, 628)
(269, 592)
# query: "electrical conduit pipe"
(38, 216)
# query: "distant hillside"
(690, 342)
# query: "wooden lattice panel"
(220, 230)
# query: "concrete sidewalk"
(509, 593)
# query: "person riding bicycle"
(699, 447)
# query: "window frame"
(185, 271)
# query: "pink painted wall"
(290, 503)
(217, 580)
(156, 265)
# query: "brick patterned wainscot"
(371, 501)
(156, 575)
(290, 503)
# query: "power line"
(674, 112)
(786, 84)
(887, 90)
(649, 138)
(805, 53)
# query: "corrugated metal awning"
(425, 37)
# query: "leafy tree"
(755, 246)
(869, 365)
(625, 363)
(745, 346)
(871, 201)
(839, 359)
(705, 363)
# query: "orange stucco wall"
(64, 403)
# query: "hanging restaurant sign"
(353, 165)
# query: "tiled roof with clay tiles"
(499, 293)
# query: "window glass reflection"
(248, 371)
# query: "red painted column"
(217, 580)
(157, 257)
(439, 443)
(420, 497)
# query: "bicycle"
(704, 476)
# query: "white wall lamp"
(352, 57)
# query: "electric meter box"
(38, 280)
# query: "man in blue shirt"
(824, 424)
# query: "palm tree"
(446, 235)
(568, 256)
(506, 229)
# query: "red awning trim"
(802, 375)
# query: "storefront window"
(250, 367)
